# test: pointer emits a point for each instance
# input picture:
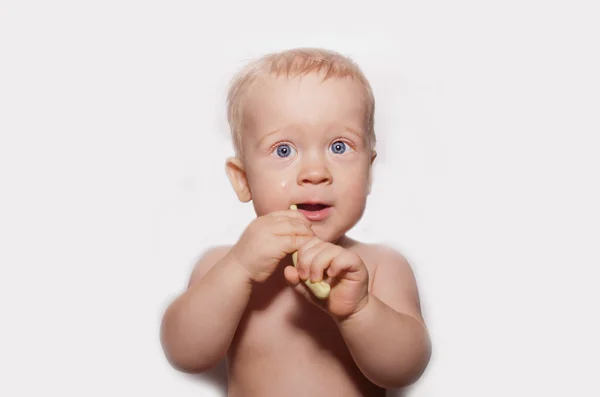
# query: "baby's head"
(302, 123)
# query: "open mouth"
(314, 211)
(312, 207)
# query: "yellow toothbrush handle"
(320, 289)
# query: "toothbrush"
(320, 289)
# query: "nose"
(314, 171)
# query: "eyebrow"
(352, 130)
(268, 135)
(346, 127)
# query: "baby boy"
(302, 123)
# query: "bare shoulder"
(207, 260)
(392, 277)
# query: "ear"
(373, 156)
(237, 177)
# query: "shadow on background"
(397, 393)
(215, 377)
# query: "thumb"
(294, 281)
(291, 276)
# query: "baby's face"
(305, 144)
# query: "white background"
(113, 142)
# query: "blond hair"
(293, 63)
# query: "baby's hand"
(268, 239)
(350, 278)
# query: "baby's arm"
(388, 338)
(198, 327)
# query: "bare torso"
(286, 346)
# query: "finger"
(293, 242)
(305, 255)
(286, 224)
(292, 227)
(347, 263)
(314, 241)
(303, 290)
(296, 233)
(290, 214)
(322, 261)
(291, 275)
(285, 219)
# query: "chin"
(324, 233)
(330, 234)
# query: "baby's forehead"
(306, 98)
(315, 83)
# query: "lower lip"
(316, 215)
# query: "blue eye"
(284, 150)
(338, 147)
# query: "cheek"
(279, 183)
(353, 197)
(270, 191)
(354, 192)
(356, 182)
(285, 183)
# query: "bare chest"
(283, 340)
(279, 320)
